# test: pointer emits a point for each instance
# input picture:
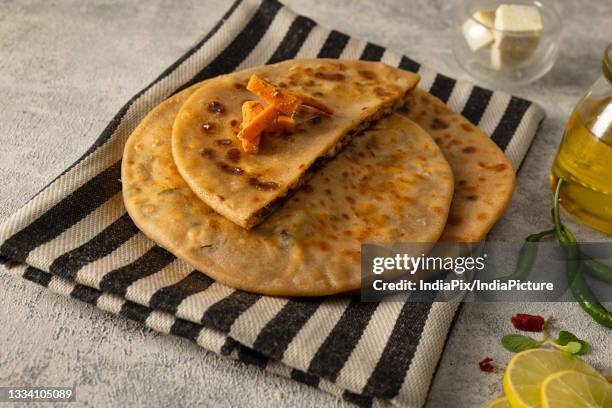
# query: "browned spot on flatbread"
(367, 74)
(469, 150)
(467, 127)
(263, 185)
(233, 155)
(216, 107)
(329, 76)
(438, 123)
(208, 153)
(499, 167)
(380, 91)
(230, 169)
(223, 142)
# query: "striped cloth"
(76, 238)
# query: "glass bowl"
(502, 57)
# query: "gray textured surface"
(65, 69)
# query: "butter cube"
(514, 17)
(479, 35)
(516, 35)
(517, 26)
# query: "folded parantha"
(391, 184)
(244, 187)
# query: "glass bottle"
(584, 159)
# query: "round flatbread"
(391, 184)
(245, 188)
(484, 178)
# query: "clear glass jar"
(584, 160)
(504, 58)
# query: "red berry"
(486, 366)
(526, 322)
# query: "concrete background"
(66, 67)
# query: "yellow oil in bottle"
(584, 161)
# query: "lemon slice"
(528, 369)
(571, 389)
(499, 403)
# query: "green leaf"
(516, 343)
(566, 339)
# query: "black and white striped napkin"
(75, 237)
